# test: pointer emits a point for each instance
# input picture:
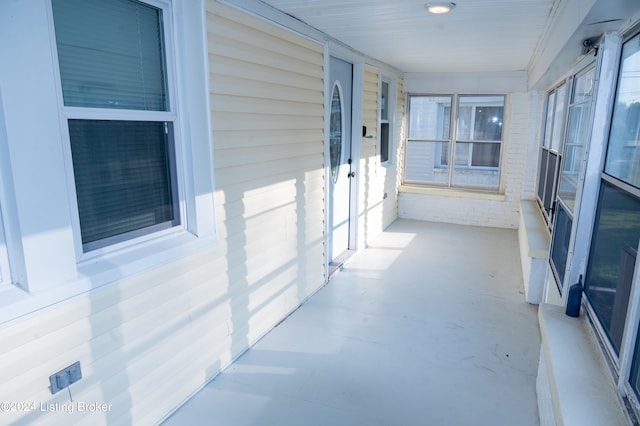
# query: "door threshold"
(336, 264)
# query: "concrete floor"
(428, 326)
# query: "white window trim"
(611, 49)
(5, 271)
(54, 269)
(438, 150)
(547, 131)
(453, 139)
(607, 72)
(468, 164)
(85, 113)
(565, 86)
(391, 112)
(11, 264)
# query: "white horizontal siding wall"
(394, 169)
(375, 211)
(144, 343)
(147, 342)
(268, 109)
(371, 189)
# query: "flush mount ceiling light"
(439, 7)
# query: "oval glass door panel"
(335, 132)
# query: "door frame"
(356, 145)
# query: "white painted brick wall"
(464, 211)
(536, 108)
(519, 169)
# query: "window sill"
(534, 240)
(140, 257)
(580, 388)
(452, 192)
(95, 273)
(538, 237)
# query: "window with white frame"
(550, 156)
(120, 117)
(578, 124)
(612, 297)
(385, 105)
(116, 178)
(473, 145)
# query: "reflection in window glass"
(542, 174)
(427, 162)
(488, 123)
(549, 156)
(463, 154)
(335, 133)
(560, 243)
(634, 377)
(430, 117)
(384, 122)
(623, 155)
(574, 154)
(384, 142)
(583, 87)
(4, 260)
(612, 258)
(486, 155)
(384, 101)
(478, 154)
(558, 118)
(577, 133)
(111, 54)
(427, 155)
(475, 153)
(125, 178)
(465, 114)
(551, 178)
(551, 102)
(479, 123)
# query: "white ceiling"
(473, 37)
(477, 36)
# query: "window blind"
(124, 176)
(111, 54)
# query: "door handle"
(351, 174)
